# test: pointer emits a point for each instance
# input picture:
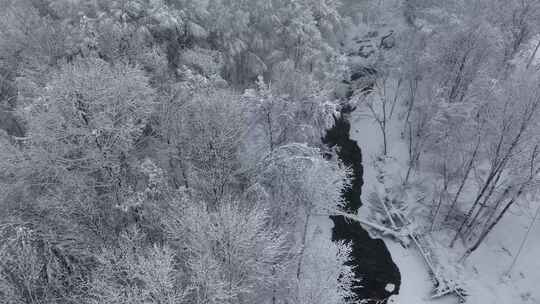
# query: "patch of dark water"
(371, 259)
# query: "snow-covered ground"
(484, 272)
(490, 264)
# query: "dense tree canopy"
(142, 173)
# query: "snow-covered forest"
(269, 151)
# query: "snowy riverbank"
(484, 271)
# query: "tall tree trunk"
(443, 192)
(531, 59)
(493, 212)
(411, 156)
(522, 245)
(383, 129)
(270, 131)
(484, 204)
(303, 246)
(394, 100)
(463, 181)
(473, 208)
(489, 228)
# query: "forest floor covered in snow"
(484, 274)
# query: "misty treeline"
(466, 88)
(169, 151)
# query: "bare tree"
(534, 170)
(518, 21)
(213, 127)
(524, 241)
(517, 113)
(381, 101)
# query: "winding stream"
(370, 257)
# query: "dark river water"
(371, 259)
